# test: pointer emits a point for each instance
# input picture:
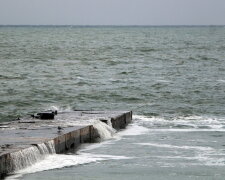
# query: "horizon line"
(70, 25)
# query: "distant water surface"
(173, 78)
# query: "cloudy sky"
(112, 12)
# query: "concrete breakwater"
(26, 141)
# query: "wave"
(5, 77)
(206, 156)
(133, 130)
(57, 161)
(175, 147)
(189, 123)
(163, 81)
(31, 155)
(105, 131)
(61, 108)
(221, 80)
(200, 160)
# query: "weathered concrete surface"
(76, 127)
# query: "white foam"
(105, 131)
(204, 155)
(221, 80)
(175, 147)
(146, 118)
(61, 109)
(139, 119)
(187, 130)
(190, 122)
(133, 130)
(176, 157)
(163, 81)
(27, 157)
(79, 77)
(214, 161)
(57, 161)
(90, 146)
(200, 160)
(214, 158)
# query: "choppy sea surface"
(173, 78)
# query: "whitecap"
(190, 122)
(133, 130)
(61, 109)
(163, 81)
(221, 80)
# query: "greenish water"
(172, 77)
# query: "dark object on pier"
(45, 115)
(60, 128)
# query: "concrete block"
(128, 117)
(119, 122)
(2, 166)
(85, 134)
(6, 165)
(94, 134)
(75, 139)
(60, 144)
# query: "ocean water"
(173, 78)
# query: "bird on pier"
(59, 128)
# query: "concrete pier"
(68, 130)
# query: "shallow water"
(147, 149)
(172, 77)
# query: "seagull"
(60, 128)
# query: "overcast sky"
(112, 12)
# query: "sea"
(171, 77)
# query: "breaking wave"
(189, 123)
(56, 161)
(31, 155)
(105, 131)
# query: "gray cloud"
(113, 12)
